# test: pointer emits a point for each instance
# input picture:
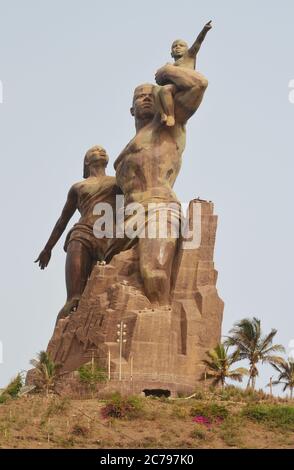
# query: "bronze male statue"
(148, 166)
(82, 247)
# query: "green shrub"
(179, 412)
(92, 374)
(4, 397)
(57, 406)
(14, 386)
(273, 415)
(232, 393)
(209, 410)
(12, 389)
(198, 432)
(123, 407)
(231, 430)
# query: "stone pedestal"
(164, 346)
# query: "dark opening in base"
(156, 392)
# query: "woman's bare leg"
(77, 271)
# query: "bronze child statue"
(184, 57)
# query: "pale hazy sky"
(68, 70)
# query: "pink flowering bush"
(205, 421)
(208, 414)
(202, 420)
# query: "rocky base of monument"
(161, 347)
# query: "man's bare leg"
(77, 271)
(156, 259)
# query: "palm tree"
(286, 375)
(46, 370)
(219, 363)
(246, 335)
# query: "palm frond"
(273, 348)
(272, 359)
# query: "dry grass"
(54, 422)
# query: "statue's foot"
(69, 308)
(163, 118)
(170, 121)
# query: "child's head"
(178, 48)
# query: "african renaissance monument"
(140, 277)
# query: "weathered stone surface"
(165, 344)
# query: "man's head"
(178, 48)
(95, 156)
(143, 102)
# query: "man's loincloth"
(83, 233)
(160, 221)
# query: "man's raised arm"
(67, 212)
